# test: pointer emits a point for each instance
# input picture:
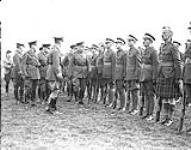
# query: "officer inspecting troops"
(54, 74)
(18, 74)
(148, 74)
(132, 75)
(168, 77)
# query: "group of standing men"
(110, 76)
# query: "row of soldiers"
(120, 75)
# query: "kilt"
(166, 88)
(8, 77)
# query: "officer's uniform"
(132, 75)
(79, 65)
(99, 65)
(31, 70)
(93, 77)
(66, 71)
(17, 74)
(108, 74)
(43, 60)
(148, 75)
(54, 74)
(120, 74)
(187, 73)
(169, 75)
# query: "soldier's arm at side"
(113, 64)
(155, 64)
(177, 62)
(138, 65)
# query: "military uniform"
(17, 75)
(132, 75)
(168, 76)
(54, 74)
(80, 65)
(187, 72)
(148, 75)
(108, 74)
(31, 71)
(43, 88)
(119, 76)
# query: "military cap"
(167, 29)
(131, 37)
(95, 46)
(108, 40)
(8, 51)
(73, 46)
(58, 39)
(46, 45)
(32, 43)
(120, 40)
(189, 26)
(149, 36)
(40, 48)
(188, 41)
(18, 45)
(176, 42)
(79, 44)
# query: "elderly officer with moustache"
(120, 74)
(80, 66)
(132, 74)
(31, 70)
(168, 77)
(108, 74)
(54, 74)
(148, 74)
(42, 57)
(18, 74)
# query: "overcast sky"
(90, 20)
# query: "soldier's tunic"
(43, 88)
(93, 79)
(31, 71)
(17, 75)
(148, 76)
(66, 71)
(80, 66)
(99, 65)
(108, 74)
(119, 76)
(187, 74)
(132, 75)
(169, 72)
(54, 75)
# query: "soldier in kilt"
(132, 75)
(7, 64)
(168, 77)
(43, 60)
(18, 74)
(108, 74)
(54, 75)
(148, 74)
(187, 72)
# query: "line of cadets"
(108, 75)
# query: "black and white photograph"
(95, 74)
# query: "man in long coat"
(54, 74)
(17, 73)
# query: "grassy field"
(85, 128)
